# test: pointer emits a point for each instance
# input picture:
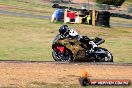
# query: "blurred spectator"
(58, 15)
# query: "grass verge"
(25, 38)
(38, 7)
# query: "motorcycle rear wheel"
(107, 57)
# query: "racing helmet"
(63, 29)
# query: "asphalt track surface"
(48, 17)
(77, 63)
(23, 14)
(19, 74)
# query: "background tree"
(111, 2)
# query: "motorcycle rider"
(65, 44)
(66, 32)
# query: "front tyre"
(103, 55)
(58, 56)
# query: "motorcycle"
(86, 50)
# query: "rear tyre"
(103, 55)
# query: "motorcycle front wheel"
(103, 55)
(58, 56)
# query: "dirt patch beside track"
(21, 74)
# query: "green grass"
(129, 1)
(25, 38)
(39, 7)
(120, 20)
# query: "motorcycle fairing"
(60, 48)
